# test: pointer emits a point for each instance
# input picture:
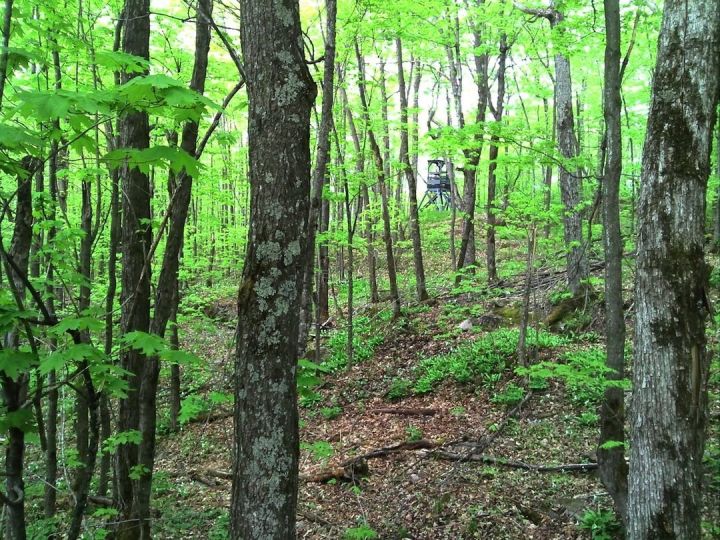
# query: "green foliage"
(365, 339)
(190, 408)
(361, 532)
(511, 395)
(458, 411)
(330, 413)
(112, 443)
(601, 524)
(320, 450)
(41, 529)
(399, 388)
(308, 378)
(413, 434)
(484, 357)
(583, 372)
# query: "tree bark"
(318, 181)
(570, 178)
(382, 188)
(612, 466)
(366, 206)
(420, 287)
(281, 93)
(466, 253)
(15, 389)
(670, 373)
(492, 167)
(136, 235)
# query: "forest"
(354, 269)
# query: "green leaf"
(22, 419)
(182, 358)
(112, 443)
(91, 324)
(121, 61)
(609, 445)
(14, 363)
(148, 344)
(76, 352)
(170, 157)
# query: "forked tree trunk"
(382, 188)
(570, 178)
(492, 167)
(318, 205)
(466, 254)
(670, 372)
(281, 93)
(420, 288)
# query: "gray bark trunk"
(492, 167)
(281, 93)
(570, 177)
(669, 407)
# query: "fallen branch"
(210, 417)
(351, 470)
(490, 460)
(405, 412)
(224, 475)
(422, 444)
(100, 501)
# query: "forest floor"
(429, 434)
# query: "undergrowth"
(479, 360)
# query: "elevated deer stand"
(439, 191)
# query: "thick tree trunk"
(420, 288)
(570, 176)
(281, 93)
(613, 469)
(670, 372)
(136, 234)
(716, 220)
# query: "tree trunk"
(670, 372)
(366, 206)
(317, 204)
(134, 132)
(492, 167)
(281, 93)
(570, 176)
(382, 188)
(613, 469)
(420, 288)
(466, 254)
(15, 389)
